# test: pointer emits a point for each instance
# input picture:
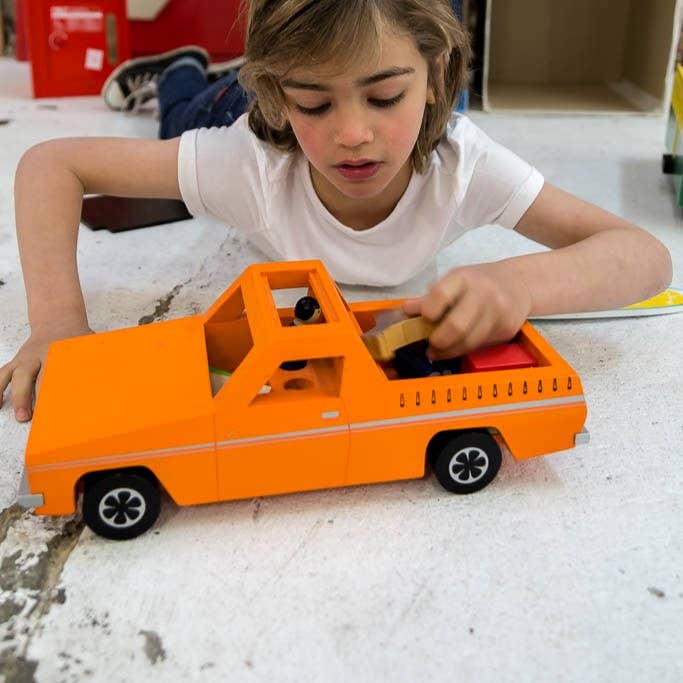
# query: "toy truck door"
(291, 434)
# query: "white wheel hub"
(468, 465)
(122, 507)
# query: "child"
(350, 153)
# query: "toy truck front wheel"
(121, 505)
(467, 462)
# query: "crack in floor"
(7, 517)
(162, 308)
(33, 553)
(217, 267)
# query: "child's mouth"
(359, 171)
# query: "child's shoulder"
(461, 131)
(238, 142)
(462, 142)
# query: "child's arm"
(49, 186)
(599, 261)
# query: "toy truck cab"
(212, 408)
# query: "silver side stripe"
(282, 436)
(107, 459)
(509, 408)
(412, 419)
(306, 433)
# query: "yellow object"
(670, 297)
(394, 329)
(677, 98)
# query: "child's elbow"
(662, 264)
(37, 158)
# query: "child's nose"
(353, 129)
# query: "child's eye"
(387, 103)
(313, 111)
(376, 102)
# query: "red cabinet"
(75, 45)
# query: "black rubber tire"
(467, 462)
(121, 505)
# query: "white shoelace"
(142, 88)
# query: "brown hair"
(284, 34)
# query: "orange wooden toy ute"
(202, 407)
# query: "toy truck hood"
(122, 390)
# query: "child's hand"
(23, 371)
(474, 306)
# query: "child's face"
(358, 129)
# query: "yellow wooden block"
(394, 329)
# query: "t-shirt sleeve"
(220, 174)
(497, 186)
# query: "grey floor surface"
(567, 568)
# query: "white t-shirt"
(268, 196)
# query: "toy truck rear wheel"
(121, 505)
(467, 462)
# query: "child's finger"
(412, 306)
(462, 330)
(5, 377)
(443, 296)
(22, 391)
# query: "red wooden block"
(502, 357)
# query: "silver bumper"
(25, 498)
(582, 438)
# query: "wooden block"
(394, 329)
(501, 357)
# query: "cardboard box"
(580, 56)
(145, 10)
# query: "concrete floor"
(567, 568)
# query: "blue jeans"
(188, 101)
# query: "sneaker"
(138, 97)
(216, 71)
(134, 82)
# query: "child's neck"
(365, 213)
